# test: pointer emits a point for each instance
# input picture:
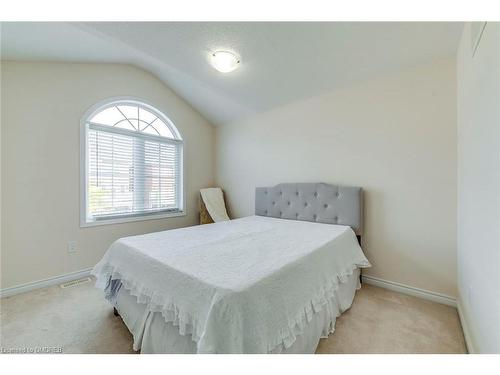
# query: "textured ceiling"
(280, 62)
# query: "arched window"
(132, 164)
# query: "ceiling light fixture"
(225, 61)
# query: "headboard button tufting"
(300, 201)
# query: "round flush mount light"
(225, 61)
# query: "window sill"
(129, 219)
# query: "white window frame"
(100, 106)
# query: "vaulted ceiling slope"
(280, 62)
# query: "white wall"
(479, 188)
(395, 136)
(1, 163)
(42, 104)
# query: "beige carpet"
(79, 320)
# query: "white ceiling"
(280, 62)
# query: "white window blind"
(134, 164)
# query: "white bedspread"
(240, 286)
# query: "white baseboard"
(372, 280)
(410, 290)
(7, 292)
(469, 342)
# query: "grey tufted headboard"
(322, 203)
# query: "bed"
(274, 282)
